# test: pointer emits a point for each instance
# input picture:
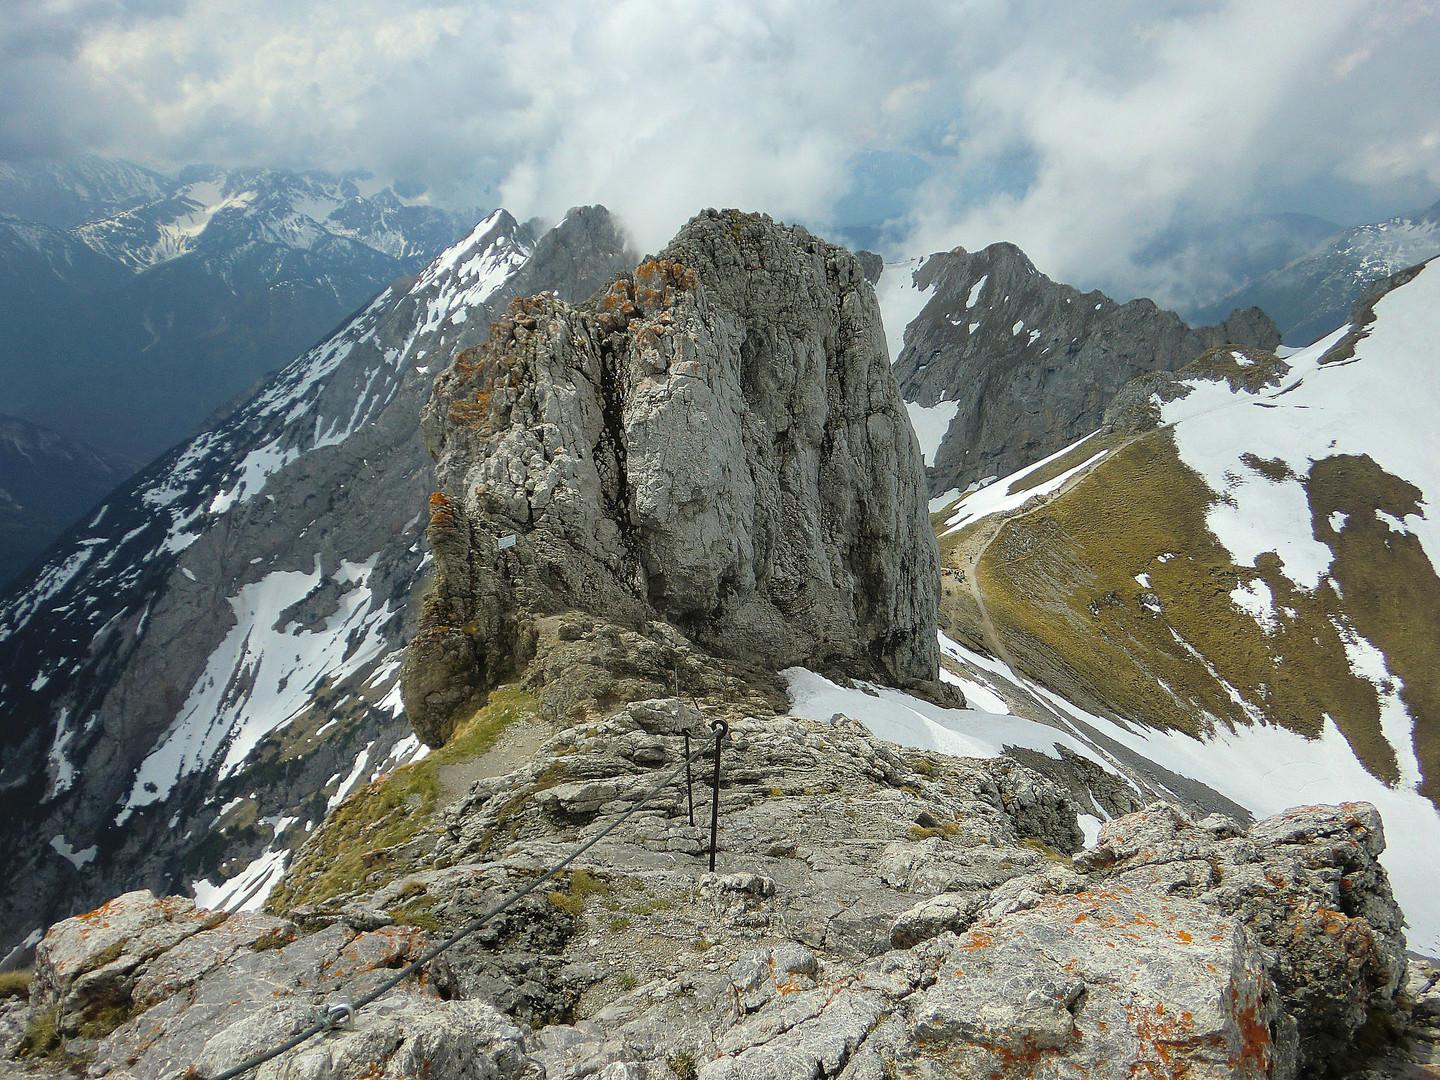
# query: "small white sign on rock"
(509, 540)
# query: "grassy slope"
(1060, 586)
(391, 811)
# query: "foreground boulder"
(716, 441)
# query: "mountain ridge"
(1311, 295)
(1003, 366)
(155, 608)
(1241, 555)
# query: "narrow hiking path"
(966, 557)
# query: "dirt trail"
(967, 556)
(519, 742)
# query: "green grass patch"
(1391, 591)
(1046, 850)
(42, 1037)
(417, 913)
(1060, 585)
(581, 886)
(571, 905)
(392, 810)
(277, 940)
(107, 955)
(107, 1018)
(16, 983)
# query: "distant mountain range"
(137, 308)
(136, 304)
(1311, 296)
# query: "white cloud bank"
(1080, 132)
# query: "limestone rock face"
(874, 911)
(1173, 947)
(716, 441)
(1029, 364)
(1307, 884)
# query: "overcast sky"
(1101, 137)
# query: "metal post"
(689, 783)
(721, 729)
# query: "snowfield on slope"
(1378, 403)
(1382, 402)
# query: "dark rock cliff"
(1030, 364)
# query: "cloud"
(1143, 124)
(1081, 132)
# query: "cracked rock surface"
(874, 912)
(715, 441)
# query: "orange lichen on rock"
(442, 511)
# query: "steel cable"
(470, 928)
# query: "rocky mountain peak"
(716, 440)
(1007, 366)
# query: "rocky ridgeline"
(1031, 364)
(716, 441)
(109, 654)
(875, 912)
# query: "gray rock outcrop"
(1031, 364)
(875, 912)
(716, 441)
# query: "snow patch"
(1396, 524)
(939, 502)
(1368, 662)
(998, 498)
(931, 422)
(261, 676)
(247, 890)
(909, 721)
(1381, 403)
(1255, 599)
(901, 301)
(76, 858)
(348, 784)
(1267, 769)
